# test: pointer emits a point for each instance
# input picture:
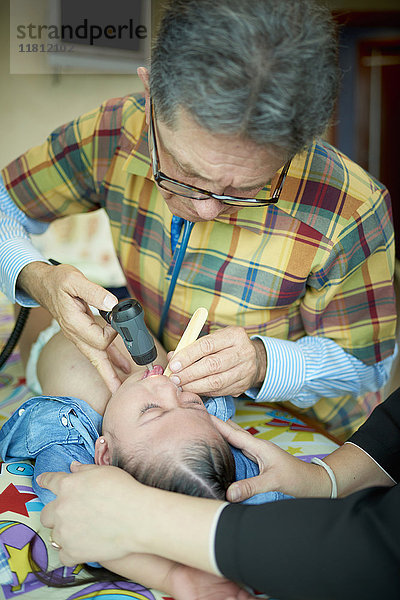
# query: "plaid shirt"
(319, 263)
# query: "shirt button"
(21, 411)
(64, 421)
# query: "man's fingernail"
(74, 463)
(39, 480)
(109, 302)
(175, 366)
(174, 379)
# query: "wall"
(33, 105)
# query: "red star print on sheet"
(14, 501)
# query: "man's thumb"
(92, 293)
(101, 298)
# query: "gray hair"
(263, 69)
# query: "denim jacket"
(54, 431)
(57, 430)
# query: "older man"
(291, 250)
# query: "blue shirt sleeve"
(16, 248)
(48, 430)
(57, 458)
(223, 407)
(314, 367)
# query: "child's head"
(165, 438)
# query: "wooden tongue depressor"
(191, 332)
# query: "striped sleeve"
(302, 372)
(16, 249)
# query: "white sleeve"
(16, 248)
(315, 367)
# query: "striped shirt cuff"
(286, 371)
(15, 254)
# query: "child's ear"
(102, 454)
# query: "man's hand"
(221, 363)
(90, 516)
(66, 294)
(279, 470)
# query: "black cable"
(18, 327)
(23, 315)
(14, 337)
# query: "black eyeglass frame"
(160, 177)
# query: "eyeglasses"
(195, 193)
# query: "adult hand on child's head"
(225, 362)
(90, 516)
(279, 470)
(66, 293)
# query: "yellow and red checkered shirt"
(318, 263)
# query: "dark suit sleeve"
(319, 549)
(380, 435)
(315, 549)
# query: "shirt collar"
(138, 161)
(258, 219)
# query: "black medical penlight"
(127, 319)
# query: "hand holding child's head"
(165, 438)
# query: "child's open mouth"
(157, 370)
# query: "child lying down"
(161, 435)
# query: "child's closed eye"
(148, 406)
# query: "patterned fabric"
(6, 577)
(319, 263)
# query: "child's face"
(154, 412)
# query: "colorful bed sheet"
(24, 542)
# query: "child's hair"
(199, 469)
